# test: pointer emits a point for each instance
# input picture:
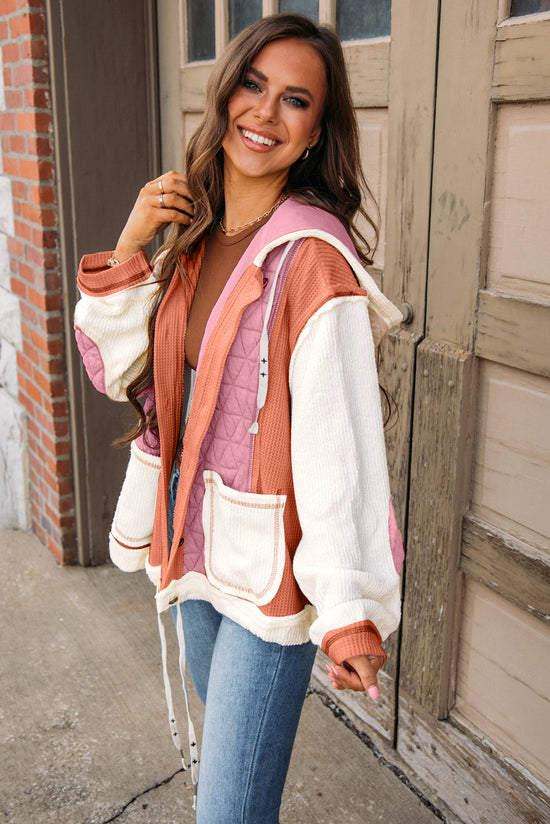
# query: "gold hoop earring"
(306, 153)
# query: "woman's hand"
(162, 201)
(357, 673)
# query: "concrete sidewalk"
(84, 734)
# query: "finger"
(174, 201)
(344, 679)
(366, 667)
(170, 182)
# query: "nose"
(266, 108)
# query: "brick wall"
(32, 364)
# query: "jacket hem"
(127, 558)
(286, 630)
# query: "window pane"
(201, 30)
(310, 8)
(520, 7)
(241, 13)
(360, 19)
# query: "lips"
(258, 139)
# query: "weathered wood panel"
(368, 68)
(443, 418)
(411, 116)
(522, 60)
(511, 473)
(193, 80)
(503, 676)
(373, 137)
(519, 226)
(461, 147)
(514, 569)
(472, 777)
(514, 332)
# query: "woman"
(248, 353)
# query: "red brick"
(58, 389)
(26, 74)
(25, 272)
(38, 340)
(22, 230)
(17, 208)
(14, 99)
(31, 352)
(32, 391)
(4, 34)
(41, 535)
(32, 428)
(29, 314)
(24, 364)
(26, 402)
(19, 288)
(17, 144)
(7, 122)
(48, 217)
(11, 166)
(6, 74)
(27, 24)
(9, 7)
(42, 195)
(11, 52)
(44, 239)
(34, 49)
(42, 381)
(40, 122)
(38, 98)
(52, 325)
(41, 146)
(19, 189)
(36, 169)
(15, 247)
(53, 366)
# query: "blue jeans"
(253, 693)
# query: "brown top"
(221, 255)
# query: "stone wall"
(35, 460)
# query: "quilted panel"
(91, 358)
(228, 445)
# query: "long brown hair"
(330, 177)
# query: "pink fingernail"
(373, 692)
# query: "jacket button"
(173, 601)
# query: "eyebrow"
(298, 89)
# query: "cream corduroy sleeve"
(117, 325)
(343, 562)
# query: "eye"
(250, 84)
(298, 102)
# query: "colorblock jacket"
(283, 518)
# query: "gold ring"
(161, 187)
(161, 200)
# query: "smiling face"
(275, 112)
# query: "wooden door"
(393, 84)
(474, 691)
(104, 68)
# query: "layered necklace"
(236, 229)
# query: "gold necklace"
(236, 229)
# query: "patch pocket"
(244, 540)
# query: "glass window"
(358, 19)
(520, 7)
(242, 13)
(310, 8)
(201, 30)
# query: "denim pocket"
(244, 540)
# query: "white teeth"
(256, 138)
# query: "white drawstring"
(264, 344)
(193, 747)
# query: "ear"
(315, 135)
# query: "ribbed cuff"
(97, 280)
(361, 638)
